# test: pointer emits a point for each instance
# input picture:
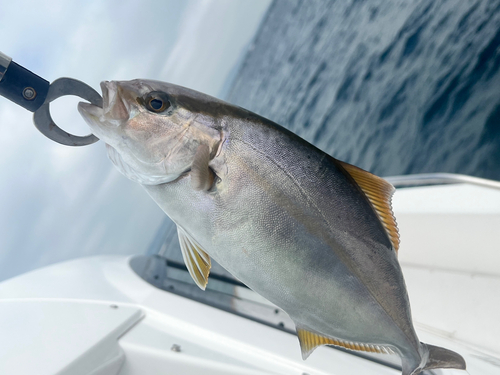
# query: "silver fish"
(314, 235)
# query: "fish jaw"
(92, 115)
(117, 109)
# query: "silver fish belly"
(313, 235)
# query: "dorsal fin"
(310, 341)
(379, 193)
(197, 260)
(202, 177)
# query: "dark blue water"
(395, 87)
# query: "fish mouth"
(114, 106)
(91, 112)
(110, 97)
(114, 110)
(114, 103)
(92, 115)
(105, 93)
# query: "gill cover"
(133, 174)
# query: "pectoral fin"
(197, 260)
(379, 193)
(202, 177)
(310, 341)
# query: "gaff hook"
(35, 94)
(43, 121)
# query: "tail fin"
(435, 357)
(443, 358)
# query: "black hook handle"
(34, 93)
(21, 86)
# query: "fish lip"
(109, 95)
(91, 114)
(105, 94)
(114, 100)
(88, 110)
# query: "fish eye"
(156, 102)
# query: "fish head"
(152, 129)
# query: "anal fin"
(310, 341)
(196, 259)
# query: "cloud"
(59, 202)
(209, 43)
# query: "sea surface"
(394, 87)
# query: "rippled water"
(395, 87)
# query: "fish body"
(313, 235)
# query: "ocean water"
(395, 87)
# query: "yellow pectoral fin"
(379, 193)
(197, 260)
(310, 341)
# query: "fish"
(314, 235)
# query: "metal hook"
(43, 121)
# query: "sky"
(59, 202)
